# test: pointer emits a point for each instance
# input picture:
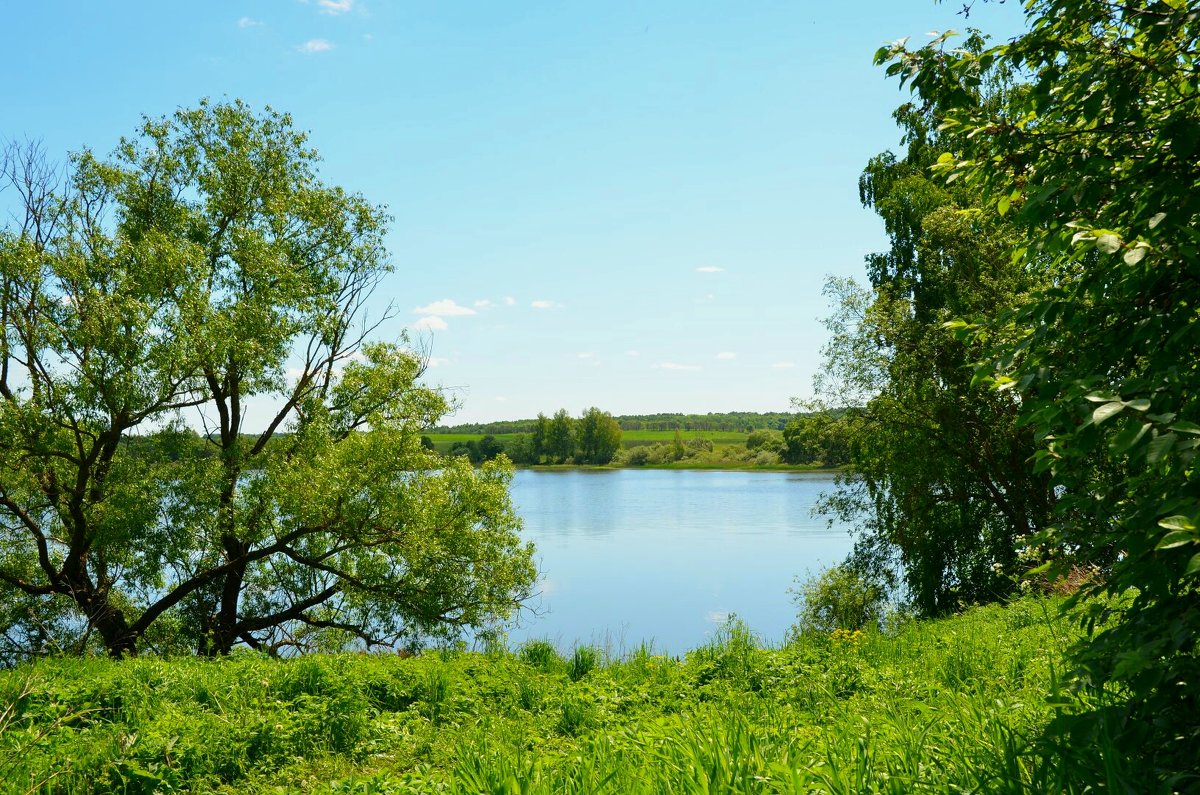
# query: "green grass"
(947, 706)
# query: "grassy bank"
(934, 706)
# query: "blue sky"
(626, 205)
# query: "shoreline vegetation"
(731, 441)
(956, 704)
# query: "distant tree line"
(734, 421)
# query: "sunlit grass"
(920, 706)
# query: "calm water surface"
(663, 556)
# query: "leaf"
(1002, 205)
(1186, 427)
(1193, 566)
(1107, 410)
(1159, 447)
(1176, 538)
(1157, 219)
(1140, 404)
(1108, 243)
(1096, 397)
(1134, 255)
(1177, 522)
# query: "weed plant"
(956, 705)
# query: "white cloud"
(436, 361)
(430, 323)
(633, 353)
(586, 355)
(674, 366)
(444, 308)
(313, 46)
(709, 269)
(247, 22)
(501, 399)
(541, 304)
(509, 301)
(726, 355)
(335, 6)
(484, 303)
(783, 365)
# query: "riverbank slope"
(933, 706)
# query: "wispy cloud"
(542, 304)
(675, 366)
(313, 46)
(783, 365)
(430, 323)
(444, 308)
(247, 22)
(586, 355)
(633, 353)
(335, 6)
(709, 269)
(510, 301)
(436, 361)
(726, 356)
(483, 303)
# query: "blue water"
(664, 556)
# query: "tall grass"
(948, 706)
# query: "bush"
(838, 598)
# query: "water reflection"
(662, 555)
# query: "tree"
(598, 436)
(818, 438)
(539, 439)
(205, 271)
(1096, 160)
(560, 437)
(937, 480)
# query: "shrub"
(838, 598)
(582, 662)
(540, 654)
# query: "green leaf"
(1134, 255)
(1140, 404)
(1176, 538)
(1177, 522)
(1157, 219)
(1159, 447)
(1106, 411)
(1002, 205)
(1193, 566)
(1186, 427)
(1108, 243)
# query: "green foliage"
(737, 422)
(598, 437)
(764, 439)
(819, 438)
(560, 438)
(1095, 160)
(943, 706)
(839, 598)
(182, 276)
(938, 482)
(583, 660)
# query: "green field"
(943, 706)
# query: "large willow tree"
(205, 274)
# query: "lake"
(664, 556)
